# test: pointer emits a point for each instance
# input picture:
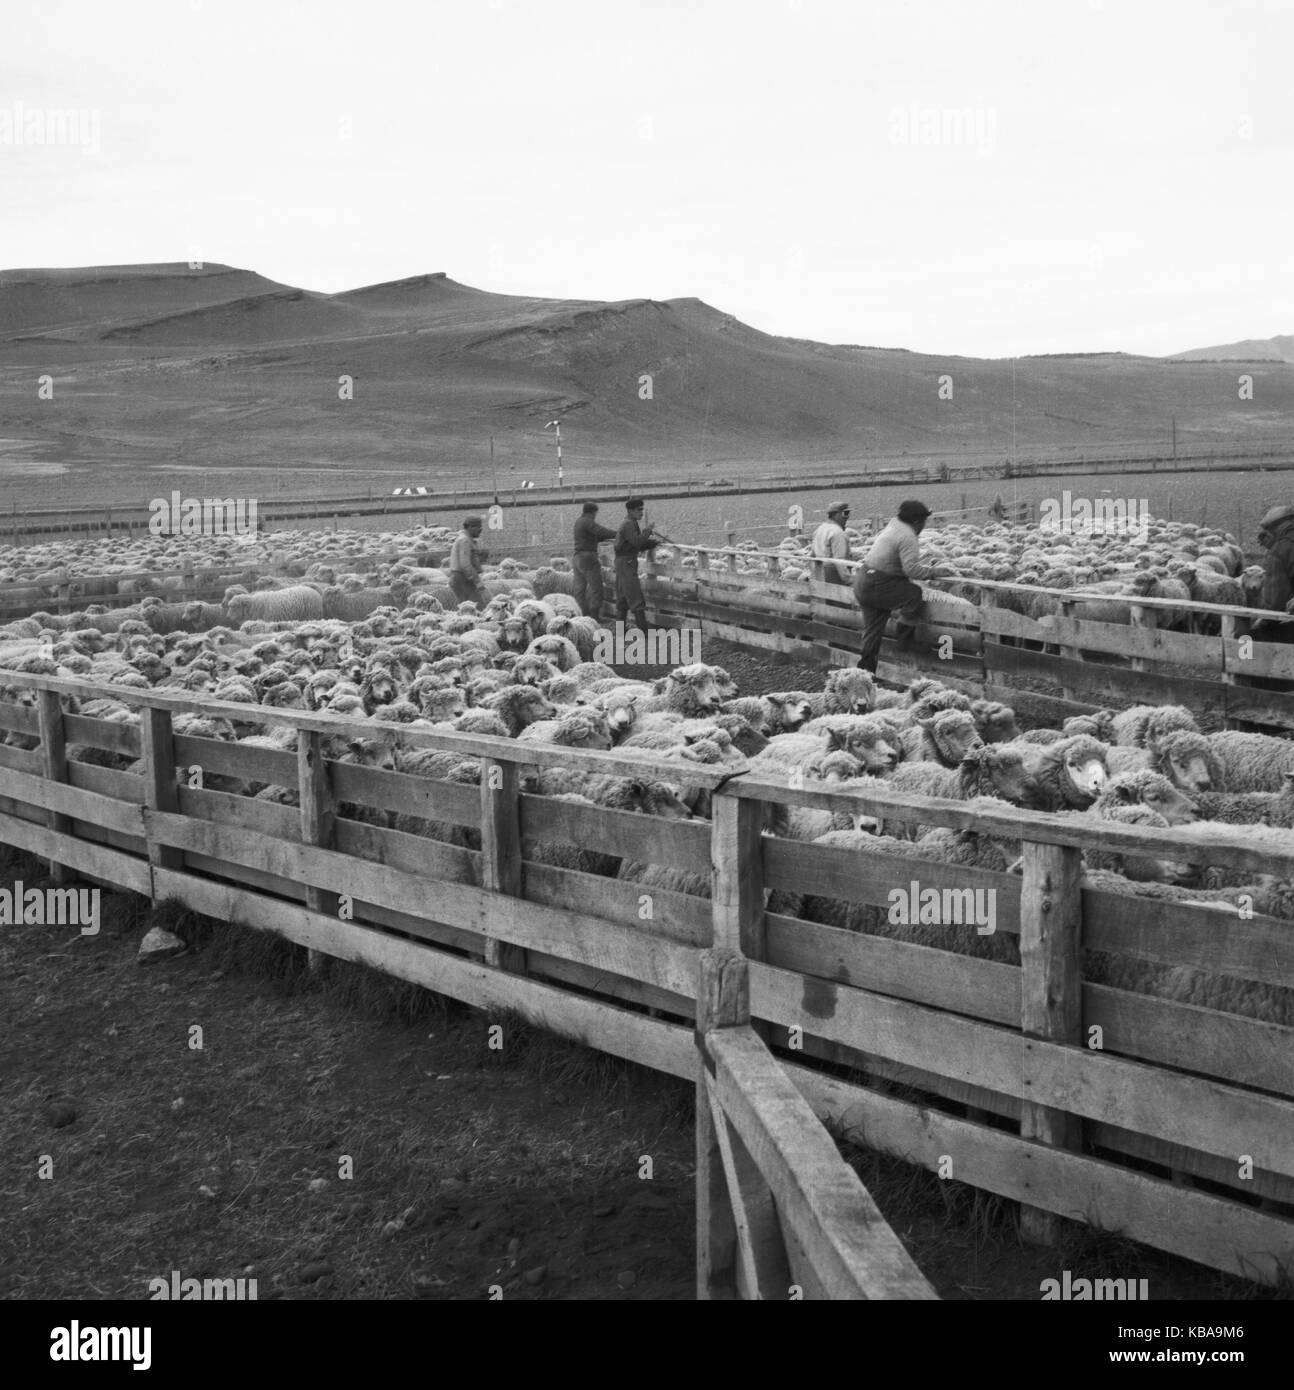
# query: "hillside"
(1277, 349)
(158, 369)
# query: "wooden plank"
(849, 1244)
(1257, 706)
(428, 798)
(1200, 653)
(433, 859)
(1207, 937)
(1104, 683)
(674, 916)
(81, 855)
(682, 844)
(317, 815)
(19, 719)
(53, 758)
(664, 1046)
(1195, 1225)
(247, 812)
(1051, 996)
(102, 733)
(943, 979)
(501, 850)
(1198, 1113)
(160, 794)
(70, 801)
(829, 871)
(737, 877)
(1245, 657)
(241, 876)
(107, 781)
(763, 1270)
(249, 764)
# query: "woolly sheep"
(579, 727)
(944, 738)
(292, 604)
(1252, 762)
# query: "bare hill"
(1277, 349)
(158, 368)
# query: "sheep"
(1249, 808)
(875, 749)
(847, 690)
(564, 854)
(994, 721)
(582, 632)
(944, 738)
(558, 650)
(1251, 762)
(689, 691)
(579, 727)
(1063, 776)
(519, 706)
(1135, 727)
(780, 713)
(988, 771)
(587, 672)
(292, 604)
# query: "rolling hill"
(158, 368)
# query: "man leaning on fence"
(885, 582)
(587, 563)
(830, 543)
(465, 561)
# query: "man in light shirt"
(465, 561)
(831, 543)
(886, 582)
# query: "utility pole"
(494, 477)
(557, 425)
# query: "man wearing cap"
(465, 561)
(587, 564)
(831, 543)
(886, 581)
(631, 539)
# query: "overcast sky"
(950, 176)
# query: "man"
(465, 561)
(631, 540)
(831, 543)
(588, 565)
(886, 581)
(1276, 536)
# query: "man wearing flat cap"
(465, 561)
(631, 540)
(1276, 536)
(830, 543)
(587, 564)
(886, 582)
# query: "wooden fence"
(986, 648)
(1086, 1101)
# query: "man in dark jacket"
(631, 539)
(587, 564)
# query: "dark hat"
(1273, 516)
(913, 511)
(635, 504)
(472, 521)
(590, 507)
(837, 507)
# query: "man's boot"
(905, 634)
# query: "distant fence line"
(273, 511)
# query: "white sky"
(1125, 183)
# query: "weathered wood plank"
(79, 854)
(107, 781)
(160, 793)
(849, 1244)
(1193, 1111)
(649, 839)
(737, 878)
(1103, 683)
(249, 764)
(1051, 996)
(102, 733)
(1198, 1226)
(69, 801)
(427, 798)
(675, 916)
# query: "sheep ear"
(836, 741)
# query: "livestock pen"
(1167, 1122)
(987, 646)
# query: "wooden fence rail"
(1076, 1099)
(987, 646)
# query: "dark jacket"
(630, 540)
(1278, 581)
(588, 533)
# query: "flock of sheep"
(392, 647)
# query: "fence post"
(317, 819)
(1067, 653)
(1143, 619)
(501, 850)
(64, 590)
(157, 746)
(53, 757)
(1051, 994)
